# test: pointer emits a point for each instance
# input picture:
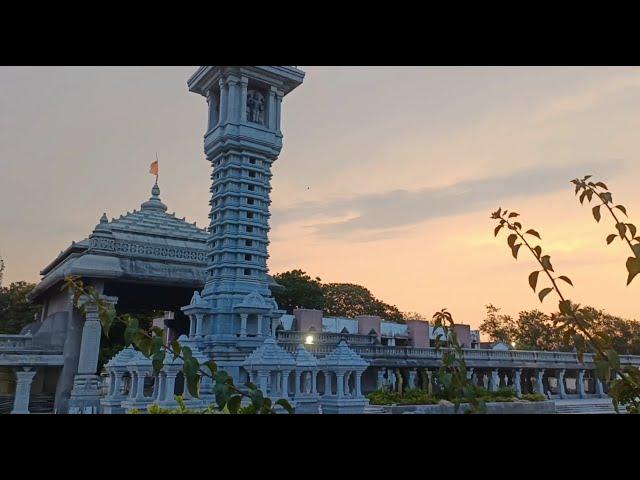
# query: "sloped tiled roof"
(123, 358)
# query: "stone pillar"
(285, 382)
(470, 374)
(199, 318)
(169, 386)
(259, 325)
(494, 380)
(262, 378)
(244, 81)
(314, 386)
(380, 379)
(561, 387)
(430, 382)
(279, 96)
(539, 381)
(517, 380)
(140, 386)
(412, 378)
(85, 395)
(223, 102)
(162, 386)
(232, 113)
(327, 382)
(271, 108)
(297, 384)
(340, 384)
(580, 383)
(23, 391)
(599, 387)
(192, 326)
(359, 384)
(243, 324)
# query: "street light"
(309, 340)
(513, 344)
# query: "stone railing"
(15, 342)
(325, 338)
(472, 356)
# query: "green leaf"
(601, 185)
(611, 238)
(513, 214)
(212, 366)
(596, 212)
(544, 292)
(514, 250)
(636, 248)
(566, 279)
(606, 197)
(546, 262)
(632, 229)
(511, 239)
(176, 348)
(538, 250)
(622, 229)
(234, 403)
(582, 195)
(107, 317)
(497, 230)
(614, 359)
(533, 279)
(131, 330)
(622, 209)
(534, 233)
(158, 361)
(286, 405)
(633, 267)
(603, 371)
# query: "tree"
(336, 299)
(300, 291)
(16, 311)
(1, 270)
(499, 328)
(349, 300)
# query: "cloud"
(376, 212)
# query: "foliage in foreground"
(573, 322)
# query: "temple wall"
(307, 318)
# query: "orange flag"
(153, 169)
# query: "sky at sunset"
(387, 177)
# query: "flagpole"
(158, 163)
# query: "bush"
(534, 397)
(413, 396)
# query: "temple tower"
(242, 141)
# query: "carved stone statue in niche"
(255, 107)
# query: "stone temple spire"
(242, 141)
(154, 203)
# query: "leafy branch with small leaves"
(598, 191)
(572, 321)
(151, 343)
(452, 375)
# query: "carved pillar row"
(244, 81)
(412, 378)
(327, 382)
(380, 379)
(494, 380)
(359, 384)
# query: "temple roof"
(147, 245)
(269, 354)
(343, 356)
(303, 358)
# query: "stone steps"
(586, 408)
(38, 403)
(374, 410)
